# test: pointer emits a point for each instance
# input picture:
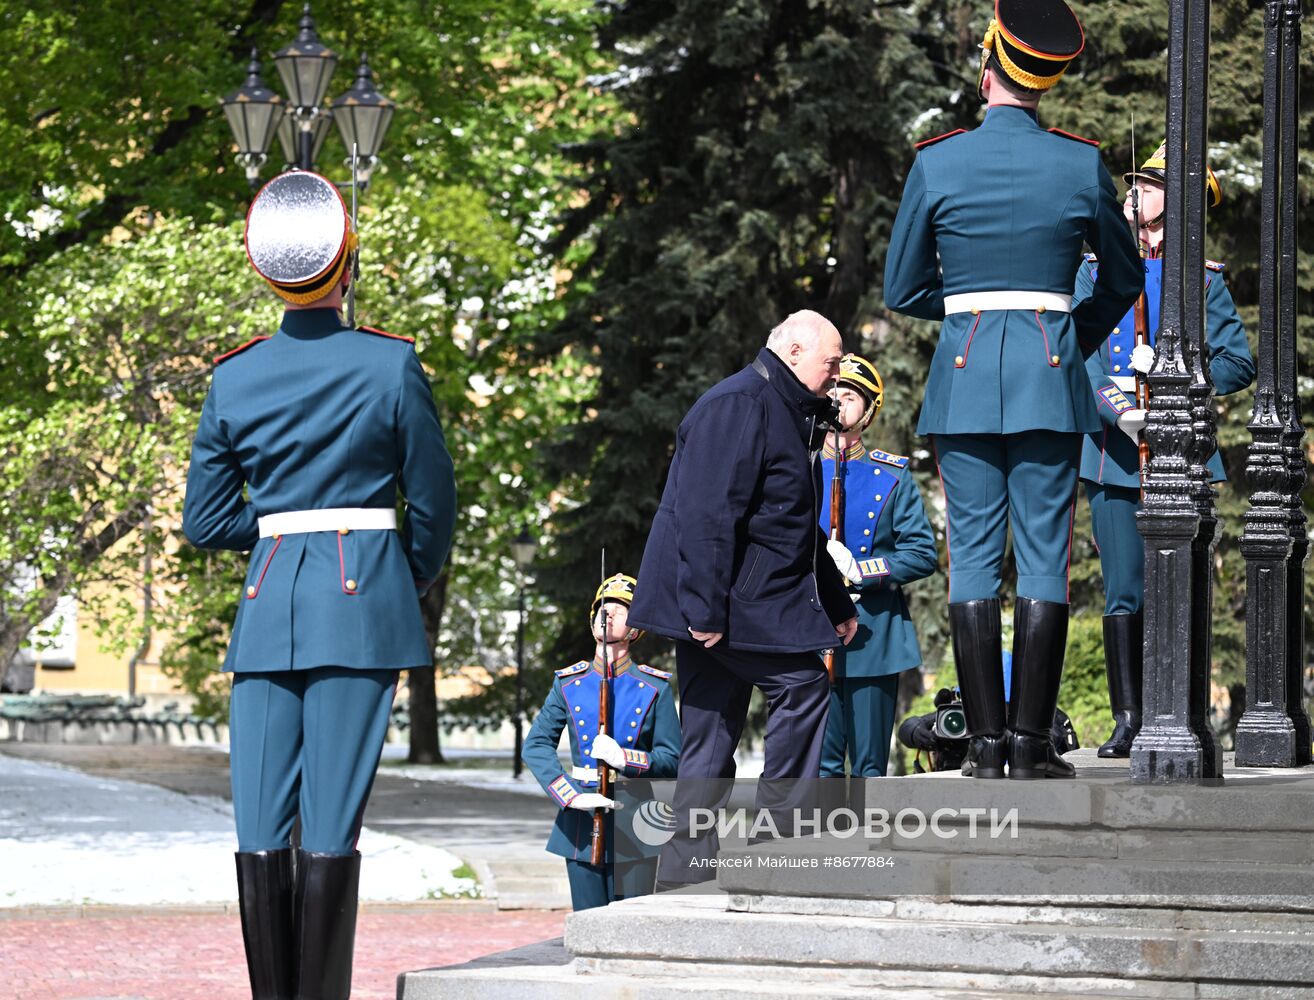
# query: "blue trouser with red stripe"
(992, 480)
(1122, 550)
(306, 742)
(859, 726)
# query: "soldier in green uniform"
(885, 541)
(306, 441)
(1109, 459)
(988, 236)
(642, 740)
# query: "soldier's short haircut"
(1002, 79)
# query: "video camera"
(942, 734)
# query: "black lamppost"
(256, 114)
(523, 548)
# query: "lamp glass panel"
(523, 550)
(286, 63)
(313, 73)
(252, 123)
(322, 125)
(237, 121)
(374, 123)
(287, 138)
(346, 126)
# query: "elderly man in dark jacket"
(736, 571)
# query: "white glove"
(588, 801)
(844, 561)
(1131, 423)
(608, 751)
(1142, 358)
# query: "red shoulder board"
(384, 333)
(238, 350)
(1079, 138)
(931, 142)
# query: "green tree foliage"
(761, 175)
(125, 274)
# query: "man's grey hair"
(802, 328)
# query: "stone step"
(1163, 844)
(513, 893)
(1251, 799)
(550, 866)
(545, 972)
(839, 867)
(699, 929)
(678, 947)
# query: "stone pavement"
(168, 955)
(500, 834)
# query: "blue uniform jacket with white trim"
(643, 721)
(888, 532)
(320, 416)
(1109, 456)
(1008, 207)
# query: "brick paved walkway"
(199, 957)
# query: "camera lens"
(951, 723)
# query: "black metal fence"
(1178, 521)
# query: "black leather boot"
(1123, 663)
(979, 659)
(264, 899)
(1040, 633)
(327, 887)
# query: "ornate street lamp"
(254, 113)
(523, 548)
(304, 120)
(363, 115)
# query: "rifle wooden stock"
(836, 532)
(1141, 318)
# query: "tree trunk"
(426, 746)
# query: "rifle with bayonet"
(598, 843)
(836, 527)
(1140, 314)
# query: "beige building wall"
(96, 671)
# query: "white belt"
(584, 773)
(1127, 383)
(1030, 301)
(297, 522)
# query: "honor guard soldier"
(987, 239)
(884, 541)
(642, 740)
(1110, 466)
(305, 441)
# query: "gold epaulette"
(898, 461)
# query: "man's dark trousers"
(715, 686)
